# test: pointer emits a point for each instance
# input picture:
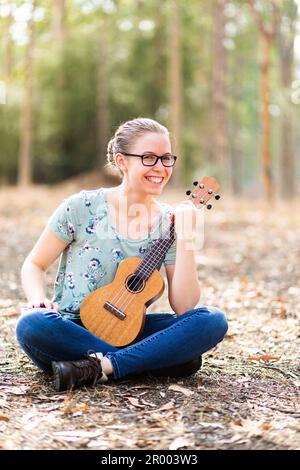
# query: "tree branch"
(266, 30)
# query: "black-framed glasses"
(150, 159)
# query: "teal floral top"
(95, 248)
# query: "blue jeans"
(167, 340)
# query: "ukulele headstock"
(203, 191)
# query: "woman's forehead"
(152, 142)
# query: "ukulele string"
(129, 294)
(144, 271)
(125, 291)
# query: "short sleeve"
(64, 220)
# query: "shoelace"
(91, 371)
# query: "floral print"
(117, 255)
(93, 255)
(70, 280)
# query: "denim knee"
(215, 322)
(31, 326)
(219, 323)
(24, 327)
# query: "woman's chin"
(153, 188)
(154, 191)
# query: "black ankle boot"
(69, 375)
(180, 370)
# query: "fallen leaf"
(52, 398)
(266, 426)
(135, 402)
(211, 425)
(180, 442)
(152, 405)
(237, 422)
(3, 403)
(21, 390)
(251, 428)
(167, 406)
(235, 438)
(12, 314)
(98, 443)
(185, 391)
(264, 358)
(87, 434)
(84, 407)
(4, 418)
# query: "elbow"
(24, 266)
(28, 264)
(180, 307)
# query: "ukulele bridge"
(115, 311)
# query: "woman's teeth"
(155, 179)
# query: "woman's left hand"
(185, 219)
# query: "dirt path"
(247, 395)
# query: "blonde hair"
(126, 134)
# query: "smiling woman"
(95, 326)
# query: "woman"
(91, 247)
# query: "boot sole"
(57, 378)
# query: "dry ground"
(247, 394)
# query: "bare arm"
(46, 250)
(183, 283)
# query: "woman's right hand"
(43, 303)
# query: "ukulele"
(115, 313)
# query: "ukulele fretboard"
(157, 253)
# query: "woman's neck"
(125, 205)
(132, 196)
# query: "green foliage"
(136, 47)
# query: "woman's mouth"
(155, 179)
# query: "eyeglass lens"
(167, 160)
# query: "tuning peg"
(208, 206)
(217, 196)
(188, 192)
(195, 183)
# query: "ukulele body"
(115, 313)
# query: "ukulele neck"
(157, 253)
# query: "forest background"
(224, 76)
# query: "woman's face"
(149, 179)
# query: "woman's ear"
(121, 162)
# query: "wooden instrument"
(115, 313)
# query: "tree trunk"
(267, 35)
(219, 106)
(25, 154)
(236, 150)
(7, 45)
(175, 78)
(103, 102)
(58, 23)
(159, 64)
(286, 37)
(265, 116)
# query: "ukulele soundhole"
(135, 283)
